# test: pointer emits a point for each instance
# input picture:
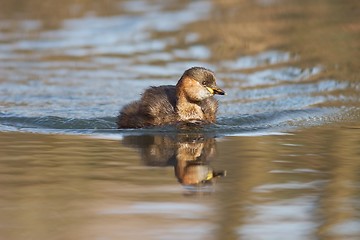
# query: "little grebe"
(189, 101)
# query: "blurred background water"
(282, 160)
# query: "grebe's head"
(198, 83)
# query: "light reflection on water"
(284, 171)
(85, 68)
(89, 188)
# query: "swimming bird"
(190, 101)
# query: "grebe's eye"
(204, 83)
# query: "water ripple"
(76, 77)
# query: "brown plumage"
(191, 100)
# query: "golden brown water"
(283, 162)
(304, 184)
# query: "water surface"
(282, 160)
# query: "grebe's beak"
(216, 90)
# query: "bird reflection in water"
(189, 153)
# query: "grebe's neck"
(186, 109)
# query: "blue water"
(75, 78)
